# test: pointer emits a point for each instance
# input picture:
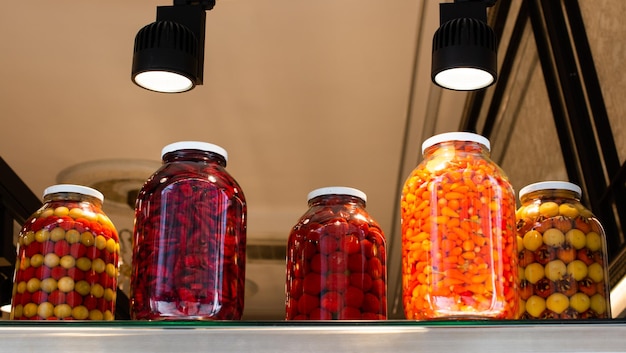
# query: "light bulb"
(464, 78)
(163, 81)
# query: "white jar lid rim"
(456, 136)
(79, 189)
(337, 190)
(194, 145)
(550, 185)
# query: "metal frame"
(578, 109)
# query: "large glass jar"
(189, 238)
(458, 233)
(562, 255)
(336, 260)
(67, 259)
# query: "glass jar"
(189, 239)
(562, 255)
(458, 233)
(67, 259)
(336, 260)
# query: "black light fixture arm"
(205, 4)
(488, 3)
(191, 14)
(476, 9)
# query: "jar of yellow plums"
(562, 255)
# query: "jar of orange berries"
(562, 255)
(458, 233)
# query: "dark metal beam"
(17, 202)
(15, 194)
(552, 87)
(475, 100)
(6, 235)
(591, 169)
(505, 70)
(598, 111)
(8, 253)
(580, 116)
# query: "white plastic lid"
(79, 189)
(337, 190)
(456, 136)
(550, 185)
(194, 145)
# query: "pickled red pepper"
(458, 237)
(189, 246)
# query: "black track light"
(464, 47)
(169, 53)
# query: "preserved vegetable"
(458, 233)
(562, 255)
(67, 259)
(189, 238)
(336, 260)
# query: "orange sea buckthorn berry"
(454, 197)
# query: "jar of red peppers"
(336, 260)
(458, 233)
(562, 255)
(189, 238)
(67, 259)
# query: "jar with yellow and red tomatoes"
(562, 255)
(336, 260)
(458, 233)
(67, 259)
(189, 238)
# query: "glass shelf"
(343, 336)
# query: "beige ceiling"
(302, 94)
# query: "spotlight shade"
(166, 58)
(464, 55)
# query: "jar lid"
(337, 190)
(78, 189)
(194, 145)
(456, 136)
(550, 185)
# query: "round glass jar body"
(67, 259)
(562, 255)
(189, 238)
(336, 260)
(458, 233)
